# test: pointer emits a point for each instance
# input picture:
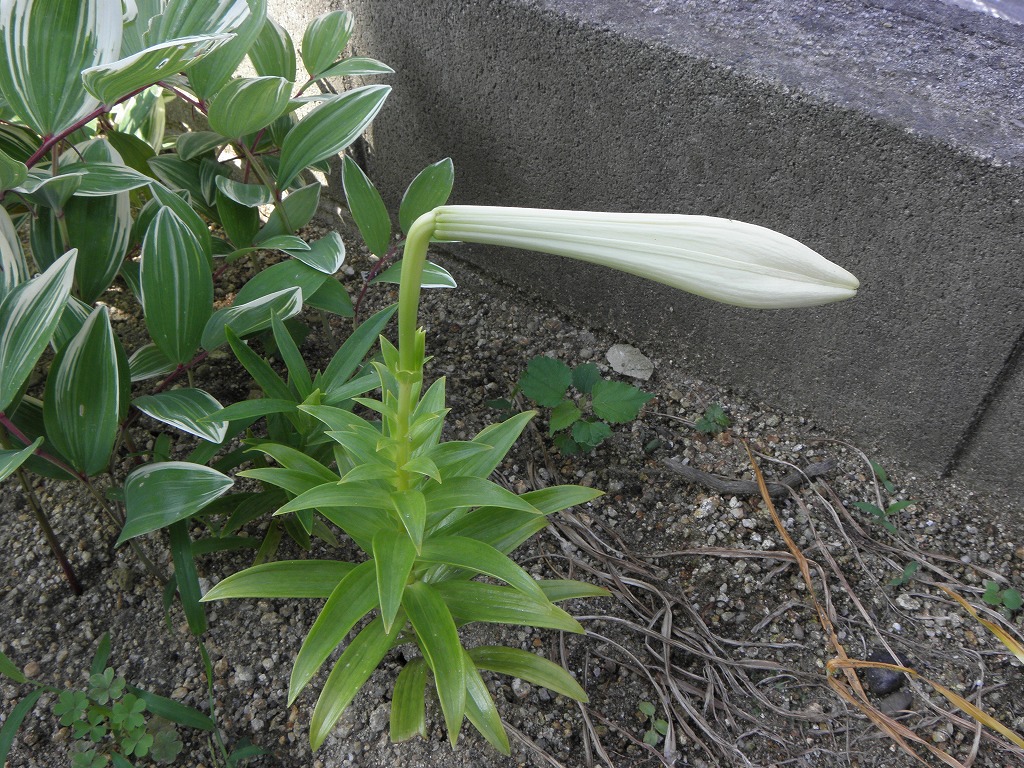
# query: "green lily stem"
(48, 533)
(410, 363)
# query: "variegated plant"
(110, 201)
(424, 511)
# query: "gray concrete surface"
(886, 134)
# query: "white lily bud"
(728, 261)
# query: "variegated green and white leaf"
(83, 395)
(280, 277)
(13, 268)
(249, 195)
(148, 362)
(298, 209)
(273, 53)
(137, 18)
(251, 317)
(186, 409)
(28, 316)
(50, 191)
(434, 276)
(75, 313)
(325, 255)
(12, 172)
(208, 76)
(325, 40)
(182, 18)
(329, 128)
(11, 460)
(195, 143)
(357, 66)
(247, 104)
(100, 179)
(109, 82)
(158, 494)
(177, 286)
(47, 44)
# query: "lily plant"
(424, 511)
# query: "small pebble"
(884, 681)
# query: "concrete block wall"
(886, 134)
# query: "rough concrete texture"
(885, 134)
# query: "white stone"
(630, 361)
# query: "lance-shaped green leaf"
(431, 188)
(71, 321)
(13, 268)
(169, 709)
(14, 721)
(471, 601)
(112, 81)
(186, 577)
(249, 195)
(177, 286)
(347, 359)
(47, 44)
(148, 362)
(324, 255)
(408, 705)
(28, 316)
(721, 259)
(215, 69)
(353, 597)
(83, 395)
(12, 172)
(357, 66)
(394, 556)
(360, 658)
(412, 511)
(158, 494)
(273, 52)
(247, 104)
(475, 556)
(10, 670)
(283, 579)
(527, 666)
(325, 40)
(329, 128)
(367, 208)
(438, 639)
(251, 317)
(480, 709)
(11, 460)
(187, 410)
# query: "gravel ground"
(710, 619)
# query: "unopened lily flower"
(728, 261)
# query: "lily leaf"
(283, 579)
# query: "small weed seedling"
(1008, 600)
(884, 515)
(907, 576)
(713, 421)
(658, 727)
(581, 422)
